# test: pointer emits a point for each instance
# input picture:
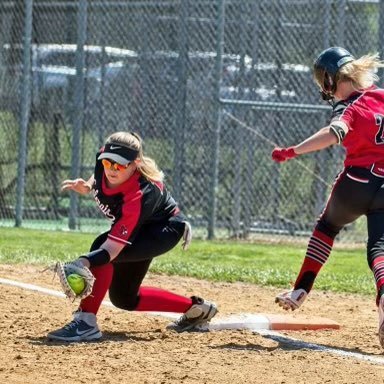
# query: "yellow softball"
(76, 282)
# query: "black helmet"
(326, 67)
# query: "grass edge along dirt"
(265, 264)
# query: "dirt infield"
(137, 349)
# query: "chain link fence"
(211, 86)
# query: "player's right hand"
(291, 299)
(282, 154)
(77, 185)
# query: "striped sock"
(318, 250)
(378, 273)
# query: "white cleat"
(196, 318)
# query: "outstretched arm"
(325, 137)
(322, 139)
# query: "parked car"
(140, 90)
(53, 73)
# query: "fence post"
(327, 20)
(340, 31)
(239, 158)
(24, 111)
(79, 107)
(216, 118)
(179, 129)
(380, 48)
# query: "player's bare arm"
(322, 139)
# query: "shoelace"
(72, 324)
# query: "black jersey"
(135, 202)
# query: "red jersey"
(363, 112)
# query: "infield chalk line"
(256, 323)
(316, 347)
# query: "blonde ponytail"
(149, 169)
(362, 72)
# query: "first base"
(272, 322)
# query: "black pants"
(132, 264)
(356, 192)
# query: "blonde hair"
(361, 72)
(147, 166)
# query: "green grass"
(262, 264)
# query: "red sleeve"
(122, 230)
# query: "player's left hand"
(282, 154)
(63, 270)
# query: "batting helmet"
(326, 68)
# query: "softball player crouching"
(146, 222)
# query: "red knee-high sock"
(318, 250)
(158, 300)
(103, 275)
(378, 272)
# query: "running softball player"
(357, 123)
(146, 222)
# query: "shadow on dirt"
(290, 344)
(246, 347)
(107, 338)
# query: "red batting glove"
(282, 154)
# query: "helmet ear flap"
(328, 86)
(328, 82)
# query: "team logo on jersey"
(103, 207)
(123, 230)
